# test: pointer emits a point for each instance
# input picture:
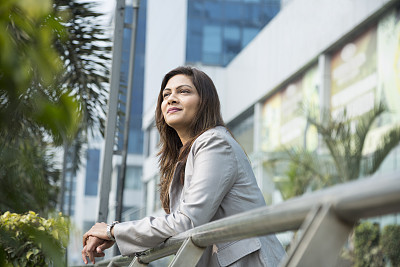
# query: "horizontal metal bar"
(351, 201)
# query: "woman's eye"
(166, 95)
(185, 91)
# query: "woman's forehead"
(178, 80)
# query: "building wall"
(351, 69)
(165, 45)
(292, 40)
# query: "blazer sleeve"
(210, 171)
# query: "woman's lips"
(173, 110)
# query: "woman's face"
(180, 103)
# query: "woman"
(205, 176)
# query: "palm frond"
(343, 138)
(86, 55)
(389, 141)
(364, 124)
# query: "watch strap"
(109, 227)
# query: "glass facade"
(69, 194)
(217, 30)
(92, 172)
(133, 178)
(244, 133)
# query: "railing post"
(136, 263)
(187, 255)
(323, 236)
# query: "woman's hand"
(98, 230)
(94, 247)
(95, 241)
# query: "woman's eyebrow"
(182, 85)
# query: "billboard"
(388, 72)
(271, 121)
(389, 65)
(354, 76)
(367, 71)
(283, 121)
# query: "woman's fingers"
(107, 244)
(90, 249)
(84, 255)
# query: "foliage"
(344, 140)
(307, 165)
(35, 113)
(289, 187)
(30, 240)
(86, 57)
(373, 246)
(390, 242)
(367, 251)
(85, 53)
(27, 176)
(29, 67)
(53, 69)
(52, 74)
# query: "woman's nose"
(172, 98)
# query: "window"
(212, 44)
(248, 35)
(231, 43)
(212, 10)
(233, 12)
(232, 33)
(244, 133)
(133, 179)
(92, 172)
(218, 30)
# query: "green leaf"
(29, 254)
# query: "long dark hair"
(172, 150)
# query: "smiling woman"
(205, 176)
(180, 104)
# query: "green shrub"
(30, 240)
(390, 243)
(367, 251)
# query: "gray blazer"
(219, 182)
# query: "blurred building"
(329, 54)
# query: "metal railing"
(325, 218)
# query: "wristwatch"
(109, 227)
